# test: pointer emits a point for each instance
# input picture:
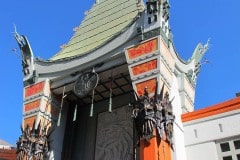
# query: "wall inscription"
(115, 135)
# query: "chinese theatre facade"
(116, 90)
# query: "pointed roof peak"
(103, 22)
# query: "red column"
(154, 151)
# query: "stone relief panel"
(115, 135)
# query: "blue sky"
(49, 24)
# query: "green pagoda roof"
(103, 22)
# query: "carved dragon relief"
(114, 135)
(153, 113)
(33, 144)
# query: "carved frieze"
(114, 135)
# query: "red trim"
(150, 84)
(29, 121)
(144, 67)
(32, 105)
(226, 106)
(34, 89)
(142, 49)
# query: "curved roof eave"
(110, 51)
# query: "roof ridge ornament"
(207, 45)
(197, 60)
(27, 58)
(200, 50)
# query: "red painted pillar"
(154, 151)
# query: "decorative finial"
(15, 28)
(206, 46)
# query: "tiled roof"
(103, 22)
